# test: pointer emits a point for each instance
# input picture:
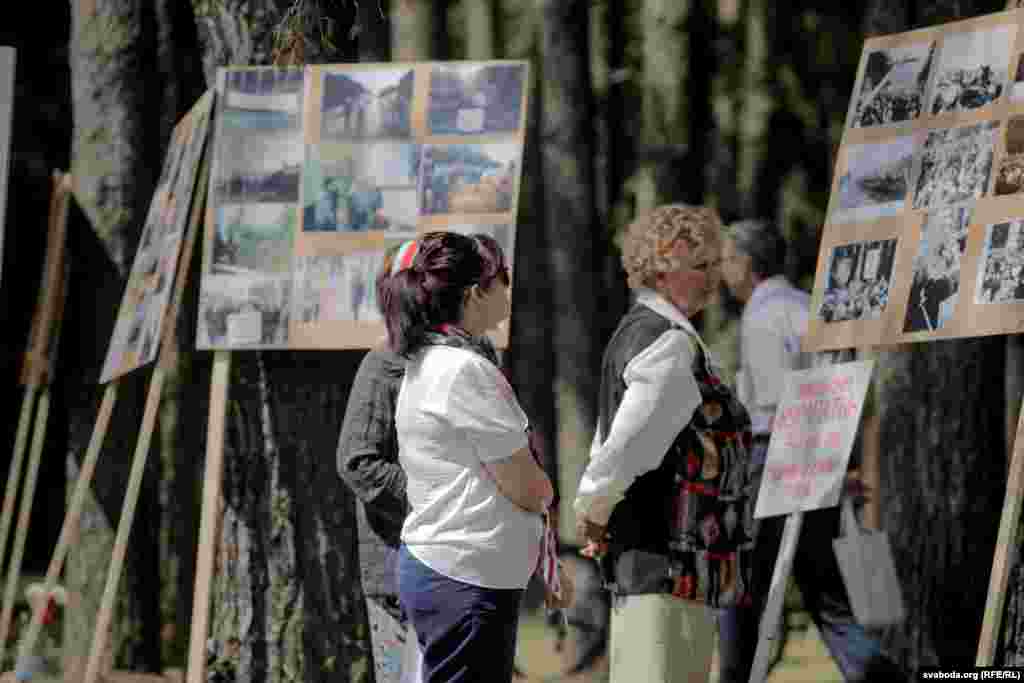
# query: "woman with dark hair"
(476, 495)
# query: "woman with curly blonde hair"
(665, 500)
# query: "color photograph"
(972, 69)
(253, 238)
(874, 181)
(893, 86)
(1001, 269)
(472, 99)
(469, 178)
(337, 287)
(859, 278)
(360, 187)
(935, 287)
(955, 165)
(366, 104)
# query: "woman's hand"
(521, 480)
(594, 536)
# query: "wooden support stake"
(25, 514)
(1005, 546)
(208, 522)
(768, 632)
(17, 459)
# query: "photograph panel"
(893, 87)
(338, 287)
(360, 104)
(253, 238)
(271, 89)
(874, 180)
(972, 70)
(473, 99)
(256, 164)
(858, 281)
(469, 178)
(1001, 266)
(1010, 176)
(955, 165)
(361, 187)
(237, 311)
(1017, 90)
(935, 283)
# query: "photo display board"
(137, 331)
(319, 170)
(924, 235)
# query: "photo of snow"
(1001, 268)
(875, 180)
(366, 104)
(893, 86)
(972, 70)
(935, 287)
(470, 99)
(859, 278)
(955, 165)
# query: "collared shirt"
(661, 395)
(773, 321)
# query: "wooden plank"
(17, 461)
(1005, 545)
(196, 672)
(768, 632)
(8, 60)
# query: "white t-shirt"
(455, 412)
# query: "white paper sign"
(470, 120)
(815, 424)
(245, 328)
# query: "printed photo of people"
(972, 69)
(892, 89)
(337, 287)
(474, 99)
(1017, 90)
(366, 104)
(859, 277)
(244, 310)
(874, 180)
(935, 287)
(1001, 268)
(265, 89)
(360, 187)
(469, 178)
(253, 238)
(257, 164)
(955, 165)
(1010, 176)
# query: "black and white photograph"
(935, 287)
(469, 178)
(471, 99)
(893, 86)
(332, 287)
(361, 187)
(955, 165)
(1001, 267)
(253, 238)
(239, 311)
(1010, 176)
(256, 164)
(875, 180)
(972, 69)
(859, 279)
(1017, 89)
(264, 90)
(501, 232)
(366, 104)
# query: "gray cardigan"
(368, 463)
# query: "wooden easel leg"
(124, 527)
(1005, 544)
(768, 631)
(17, 459)
(196, 672)
(21, 533)
(74, 513)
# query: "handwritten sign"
(815, 424)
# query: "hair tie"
(404, 257)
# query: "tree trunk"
(481, 34)
(574, 238)
(286, 604)
(938, 472)
(417, 30)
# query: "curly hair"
(650, 240)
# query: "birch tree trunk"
(287, 605)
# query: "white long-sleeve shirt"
(661, 395)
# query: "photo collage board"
(138, 328)
(924, 234)
(319, 170)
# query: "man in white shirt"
(774, 318)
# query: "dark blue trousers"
(467, 633)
